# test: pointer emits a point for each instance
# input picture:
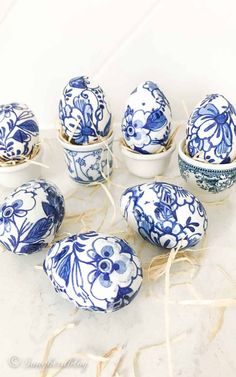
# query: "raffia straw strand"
(107, 354)
(51, 340)
(36, 267)
(218, 325)
(175, 339)
(185, 108)
(171, 258)
(218, 303)
(111, 201)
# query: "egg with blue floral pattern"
(84, 112)
(94, 271)
(30, 217)
(19, 131)
(146, 123)
(164, 214)
(211, 131)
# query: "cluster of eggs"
(19, 132)
(84, 112)
(211, 131)
(146, 123)
(98, 272)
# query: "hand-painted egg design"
(164, 214)
(30, 217)
(211, 131)
(84, 112)
(147, 119)
(96, 272)
(19, 132)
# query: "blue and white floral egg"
(84, 112)
(96, 272)
(164, 214)
(19, 132)
(211, 131)
(147, 119)
(30, 217)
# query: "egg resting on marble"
(31, 216)
(211, 131)
(84, 112)
(165, 215)
(96, 272)
(146, 123)
(19, 132)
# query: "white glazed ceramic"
(19, 132)
(84, 112)
(146, 122)
(96, 272)
(165, 215)
(211, 131)
(13, 176)
(31, 216)
(209, 182)
(147, 165)
(89, 163)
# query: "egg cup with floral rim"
(89, 163)
(209, 181)
(14, 173)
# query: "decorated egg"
(30, 217)
(147, 119)
(19, 132)
(211, 131)
(84, 112)
(96, 272)
(165, 215)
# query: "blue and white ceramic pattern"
(30, 217)
(164, 214)
(90, 163)
(19, 132)
(211, 131)
(84, 112)
(147, 119)
(205, 178)
(96, 272)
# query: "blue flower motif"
(210, 130)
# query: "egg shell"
(96, 272)
(84, 112)
(31, 216)
(211, 131)
(147, 119)
(165, 215)
(19, 131)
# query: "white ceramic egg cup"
(209, 182)
(89, 163)
(15, 175)
(147, 165)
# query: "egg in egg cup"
(146, 144)
(20, 149)
(85, 133)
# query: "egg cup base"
(147, 165)
(89, 163)
(209, 182)
(15, 175)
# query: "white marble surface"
(31, 311)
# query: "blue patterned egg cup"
(209, 181)
(94, 271)
(19, 132)
(165, 215)
(147, 119)
(84, 112)
(89, 163)
(211, 131)
(30, 217)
